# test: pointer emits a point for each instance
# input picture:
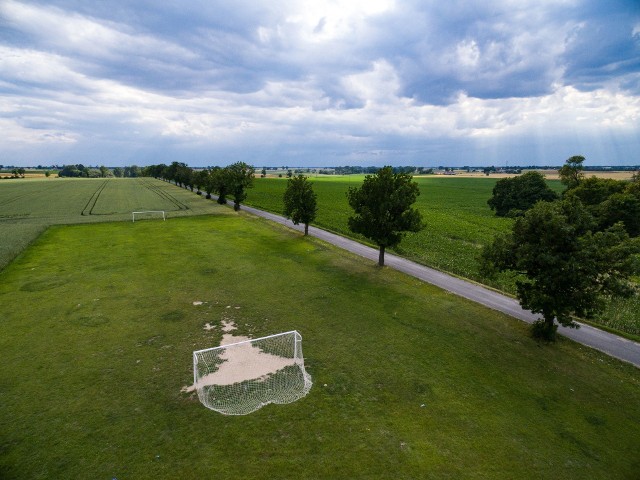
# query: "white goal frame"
(133, 214)
(246, 395)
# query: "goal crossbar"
(291, 332)
(133, 214)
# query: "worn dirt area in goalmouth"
(240, 362)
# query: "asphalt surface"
(613, 345)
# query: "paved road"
(608, 343)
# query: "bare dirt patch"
(241, 361)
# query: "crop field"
(458, 223)
(457, 218)
(409, 381)
(28, 207)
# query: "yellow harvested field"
(549, 174)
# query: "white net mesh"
(240, 378)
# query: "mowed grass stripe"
(409, 381)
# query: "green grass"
(458, 223)
(28, 207)
(409, 381)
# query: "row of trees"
(232, 180)
(382, 207)
(571, 251)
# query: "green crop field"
(28, 207)
(99, 322)
(458, 223)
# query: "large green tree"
(240, 176)
(566, 266)
(513, 196)
(383, 208)
(201, 177)
(300, 201)
(571, 173)
(218, 182)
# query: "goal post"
(148, 214)
(242, 377)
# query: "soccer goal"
(239, 378)
(148, 214)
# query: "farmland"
(458, 223)
(28, 207)
(409, 381)
(458, 220)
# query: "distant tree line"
(80, 170)
(351, 170)
(128, 172)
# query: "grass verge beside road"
(409, 381)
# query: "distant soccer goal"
(240, 378)
(148, 214)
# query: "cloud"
(326, 81)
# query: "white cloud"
(379, 85)
(468, 53)
(333, 19)
(302, 78)
(73, 33)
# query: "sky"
(319, 82)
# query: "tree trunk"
(381, 256)
(306, 229)
(549, 327)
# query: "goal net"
(148, 214)
(240, 378)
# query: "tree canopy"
(73, 171)
(610, 201)
(240, 177)
(571, 173)
(383, 208)
(567, 266)
(513, 196)
(300, 201)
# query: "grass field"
(28, 207)
(409, 381)
(458, 223)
